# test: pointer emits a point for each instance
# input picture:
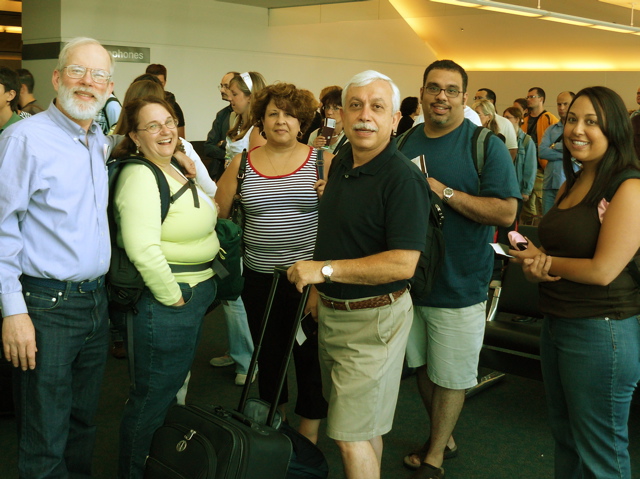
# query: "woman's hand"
(186, 163)
(536, 269)
(531, 252)
(180, 302)
(319, 142)
(319, 187)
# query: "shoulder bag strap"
(320, 163)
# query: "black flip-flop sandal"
(422, 453)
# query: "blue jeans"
(590, 369)
(165, 339)
(56, 402)
(240, 342)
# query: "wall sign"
(129, 54)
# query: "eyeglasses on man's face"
(78, 71)
(154, 128)
(435, 90)
(531, 97)
(223, 86)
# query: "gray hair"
(369, 76)
(79, 42)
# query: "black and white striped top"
(281, 216)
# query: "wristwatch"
(327, 271)
(447, 193)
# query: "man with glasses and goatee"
(448, 328)
(54, 253)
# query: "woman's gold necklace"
(273, 166)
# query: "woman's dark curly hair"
(301, 104)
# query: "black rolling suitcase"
(6, 390)
(213, 442)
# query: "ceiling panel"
(286, 3)
(483, 40)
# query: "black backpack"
(124, 282)
(432, 258)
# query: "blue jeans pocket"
(41, 299)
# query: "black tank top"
(573, 233)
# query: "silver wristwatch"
(447, 193)
(327, 271)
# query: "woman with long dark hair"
(589, 290)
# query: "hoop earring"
(299, 135)
(263, 134)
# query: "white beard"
(78, 109)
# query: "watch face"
(448, 192)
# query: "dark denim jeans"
(590, 368)
(56, 402)
(165, 339)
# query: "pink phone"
(518, 241)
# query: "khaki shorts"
(448, 341)
(361, 355)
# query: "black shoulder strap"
(480, 147)
(237, 198)
(242, 170)
(115, 167)
(402, 139)
(341, 142)
(189, 185)
(320, 163)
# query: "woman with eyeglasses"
(331, 106)
(140, 89)
(174, 259)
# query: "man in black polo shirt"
(372, 227)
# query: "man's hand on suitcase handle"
(303, 273)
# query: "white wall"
(200, 40)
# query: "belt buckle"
(82, 283)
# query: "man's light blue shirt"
(53, 203)
(553, 173)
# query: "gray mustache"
(364, 126)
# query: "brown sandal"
(422, 453)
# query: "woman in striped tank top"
(280, 202)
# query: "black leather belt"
(85, 286)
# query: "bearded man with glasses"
(54, 253)
(448, 327)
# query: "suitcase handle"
(277, 273)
